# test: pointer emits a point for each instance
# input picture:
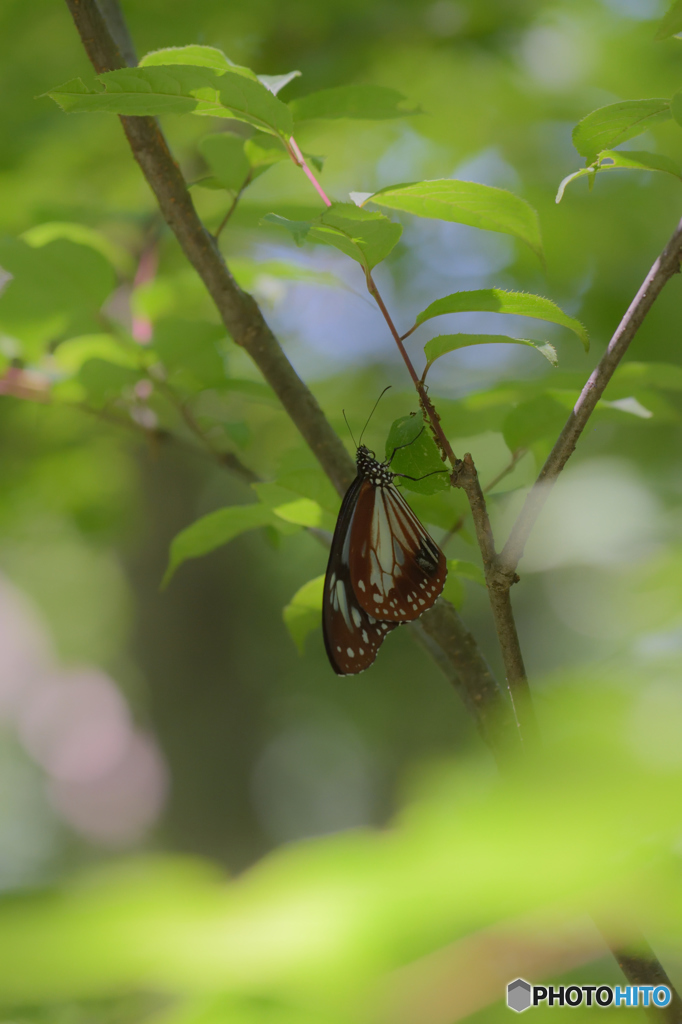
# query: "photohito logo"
(521, 995)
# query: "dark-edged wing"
(351, 635)
(397, 570)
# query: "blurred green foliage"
(123, 401)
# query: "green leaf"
(466, 202)
(214, 530)
(104, 382)
(302, 512)
(466, 570)
(495, 300)
(616, 123)
(193, 352)
(445, 343)
(366, 102)
(72, 354)
(671, 23)
(197, 55)
(533, 420)
(417, 456)
(453, 591)
(247, 271)
(366, 237)
(275, 83)
(613, 160)
(81, 234)
(304, 612)
(224, 154)
(179, 89)
(58, 278)
(666, 376)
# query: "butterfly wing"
(397, 570)
(352, 636)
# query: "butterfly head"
(370, 467)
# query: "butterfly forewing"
(397, 570)
(352, 636)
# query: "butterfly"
(383, 569)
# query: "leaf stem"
(233, 205)
(298, 158)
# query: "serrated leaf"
(366, 237)
(616, 123)
(444, 343)
(196, 55)
(303, 613)
(177, 89)
(275, 83)
(671, 23)
(214, 530)
(466, 202)
(224, 154)
(366, 102)
(533, 420)
(495, 300)
(466, 570)
(416, 456)
(613, 160)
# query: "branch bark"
(665, 267)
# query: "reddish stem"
(298, 158)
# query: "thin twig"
(298, 158)
(665, 267)
(233, 205)
(509, 468)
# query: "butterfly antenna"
(373, 410)
(348, 425)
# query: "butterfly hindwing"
(352, 636)
(397, 571)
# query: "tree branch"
(239, 311)
(665, 267)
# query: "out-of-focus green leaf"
(366, 237)
(666, 376)
(119, 257)
(303, 613)
(532, 420)
(444, 343)
(192, 352)
(247, 272)
(60, 282)
(466, 570)
(311, 483)
(72, 354)
(613, 160)
(453, 591)
(214, 530)
(671, 23)
(302, 512)
(417, 456)
(367, 102)
(494, 300)
(178, 88)
(197, 55)
(466, 202)
(224, 154)
(616, 123)
(105, 382)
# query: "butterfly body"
(384, 568)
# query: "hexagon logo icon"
(518, 995)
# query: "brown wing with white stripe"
(352, 636)
(397, 570)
